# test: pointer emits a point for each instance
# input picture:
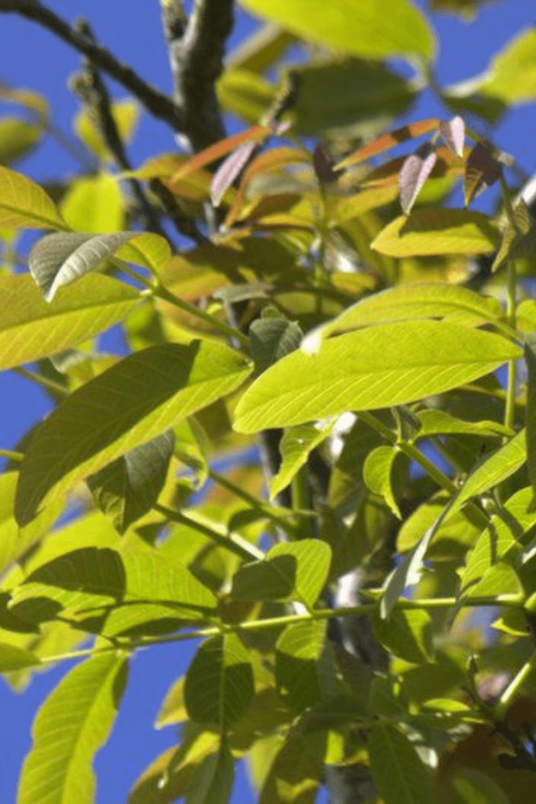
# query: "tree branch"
(158, 104)
(196, 50)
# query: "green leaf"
(382, 477)
(472, 787)
(31, 329)
(293, 775)
(407, 634)
(530, 410)
(382, 366)
(368, 28)
(59, 259)
(511, 77)
(399, 773)
(297, 663)
(518, 237)
(271, 338)
(219, 683)
(94, 204)
(129, 404)
(25, 205)
(439, 422)
(71, 726)
(125, 112)
(212, 780)
(17, 138)
(129, 487)
(290, 571)
(295, 447)
(438, 231)
(13, 658)
(94, 577)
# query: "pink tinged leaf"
(453, 133)
(413, 175)
(229, 170)
(481, 171)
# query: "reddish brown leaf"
(387, 141)
(481, 171)
(324, 165)
(453, 133)
(413, 175)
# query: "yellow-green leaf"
(25, 205)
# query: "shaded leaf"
(530, 410)
(13, 658)
(383, 366)
(17, 138)
(294, 775)
(295, 447)
(271, 338)
(482, 170)
(413, 175)
(518, 237)
(399, 773)
(129, 404)
(297, 663)
(438, 231)
(129, 487)
(60, 259)
(290, 571)
(69, 729)
(31, 329)
(219, 683)
(453, 132)
(212, 780)
(373, 29)
(407, 634)
(125, 113)
(25, 205)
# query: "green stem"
(512, 689)
(510, 406)
(50, 385)
(18, 457)
(230, 541)
(267, 510)
(507, 600)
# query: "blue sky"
(31, 58)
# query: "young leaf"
(295, 447)
(518, 237)
(438, 231)
(290, 571)
(298, 652)
(399, 773)
(219, 683)
(377, 29)
(230, 170)
(383, 366)
(413, 175)
(91, 577)
(381, 475)
(387, 141)
(71, 726)
(129, 487)
(25, 205)
(116, 412)
(482, 170)
(31, 329)
(453, 133)
(60, 259)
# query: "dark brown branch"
(158, 104)
(196, 50)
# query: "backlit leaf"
(399, 773)
(295, 447)
(387, 141)
(219, 682)
(25, 205)
(482, 170)
(530, 360)
(13, 658)
(381, 476)
(129, 404)
(383, 366)
(69, 729)
(290, 571)
(413, 175)
(31, 329)
(518, 237)
(512, 74)
(230, 170)
(369, 28)
(438, 231)
(212, 780)
(17, 138)
(94, 204)
(453, 133)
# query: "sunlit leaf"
(125, 112)
(530, 360)
(453, 132)
(438, 231)
(381, 366)
(381, 475)
(518, 237)
(366, 28)
(260, 49)
(25, 205)
(70, 727)
(30, 328)
(94, 204)
(219, 682)
(295, 447)
(230, 170)
(387, 141)
(60, 259)
(399, 773)
(290, 571)
(413, 175)
(13, 658)
(129, 487)
(127, 405)
(17, 138)
(511, 76)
